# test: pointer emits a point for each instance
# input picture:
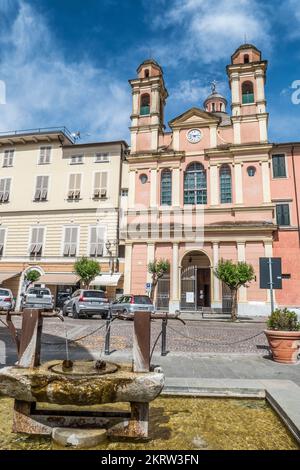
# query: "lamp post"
(113, 261)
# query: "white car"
(7, 301)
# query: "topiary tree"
(157, 269)
(87, 269)
(32, 276)
(234, 275)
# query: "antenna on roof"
(76, 135)
(245, 38)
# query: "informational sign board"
(189, 297)
(270, 270)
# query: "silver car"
(7, 301)
(128, 304)
(38, 297)
(87, 303)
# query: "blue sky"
(68, 62)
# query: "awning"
(106, 280)
(5, 276)
(59, 279)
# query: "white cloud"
(210, 31)
(44, 88)
(194, 91)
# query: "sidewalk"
(216, 366)
(221, 317)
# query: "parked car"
(7, 301)
(128, 304)
(62, 297)
(87, 303)
(38, 297)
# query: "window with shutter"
(70, 241)
(5, 189)
(41, 190)
(36, 242)
(283, 214)
(102, 157)
(225, 185)
(8, 159)
(74, 186)
(100, 185)
(76, 159)
(45, 155)
(279, 168)
(2, 238)
(166, 188)
(97, 240)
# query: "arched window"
(213, 107)
(145, 104)
(247, 93)
(147, 73)
(195, 188)
(225, 184)
(246, 59)
(166, 188)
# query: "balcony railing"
(40, 130)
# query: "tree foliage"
(157, 269)
(234, 275)
(32, 276)
(87, 269)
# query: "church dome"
(215, 102)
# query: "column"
(236, 132)
(263, 128)
(135, 102)
(153, 187)
(176, 189)
(216, 287)
(213, 136)
(214, 185)
(131, 193)
(235, 88)
(155, 100)
(176, 140)
(154, 139)
(150, 257)
(238, 179)
(260, 85)
(266, 182)
(127, 269)
(241, 252)
(174, 301)
(133, 136)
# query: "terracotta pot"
(284, 345)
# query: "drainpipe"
(296, 193)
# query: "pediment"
(192, 117)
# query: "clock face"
(194, 136)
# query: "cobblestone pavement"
(202, 336)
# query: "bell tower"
(149, 96)
(247, 78)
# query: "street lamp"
(113, 262)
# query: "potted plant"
(283, 335)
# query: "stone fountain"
(79, 384)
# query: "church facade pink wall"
(242, 228)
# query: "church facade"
(213, 187)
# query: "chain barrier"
(77, 339)
(191, 338)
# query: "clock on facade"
(194, 136)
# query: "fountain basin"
(49, 383)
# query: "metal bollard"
(107, 335)
(164, 351)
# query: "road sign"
(264, 268)
(270, 276)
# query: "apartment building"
(59, 200)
